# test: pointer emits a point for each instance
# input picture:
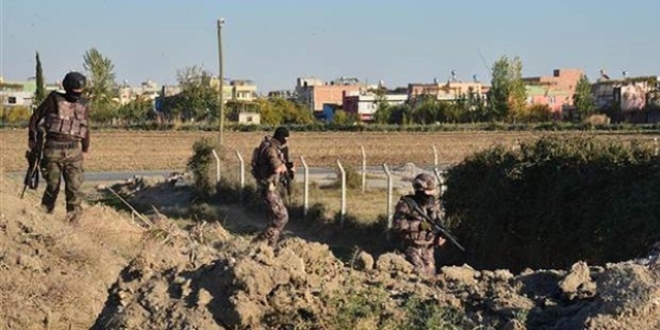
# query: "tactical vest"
(70, 119)
(435, 211)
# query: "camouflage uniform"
(270, 157)
(417, 238)
(65, 119)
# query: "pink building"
(314, 93)
(555, 91)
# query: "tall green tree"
(101, 76)
(40, 92)
(583, 100)
(383, 108)
(101, 85)
(199, 100)
(507, 92)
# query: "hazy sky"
(273, 42)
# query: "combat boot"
(73, 218)
(48, 208)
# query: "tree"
(343, 118)
(136, 111)
(583, 99)
(383, 108)
(198, 99)
(40, 92)
(269, 115)
(101, 85)
(507, 92)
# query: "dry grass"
(366, 207)
(157, 150)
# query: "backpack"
(257, 168)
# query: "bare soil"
(115, 271)
(117, 150)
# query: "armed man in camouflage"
(268, 165)
(65, 119)
(416, 233)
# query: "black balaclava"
(73, 80)
(281, 133)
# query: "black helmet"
(74, 80)
(281, 133)
(423, 182)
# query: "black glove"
(289, 172)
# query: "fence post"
(435, 157)
(364, 170)
(342, 212)
(389, 196)
(241, 163)
(217, 166)
(655, 141)
(305, 186)
(441, 180)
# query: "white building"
(365, 104)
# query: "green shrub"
(353, 178)
(202, 165)
(555, 201)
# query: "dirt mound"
(53, 275)
(113, 273)
(302, 285)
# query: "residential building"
(449, 91)
(626, 99)
(365, 104)
(21, 93)
(249, 118)
(243, 90)
(284, 94)
(227, 88)
(148, 90)
(236, 90)
(627, 94)
(555, 99)
(314, 93)
(555, 91)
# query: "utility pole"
(221, 79)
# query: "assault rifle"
(287, 179)
(436, 226)
(33, 157)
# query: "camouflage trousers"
(67, 163)
(422, 258)
(276, 214)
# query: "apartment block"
(313, 93)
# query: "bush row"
(556, 201)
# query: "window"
(11, 100)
